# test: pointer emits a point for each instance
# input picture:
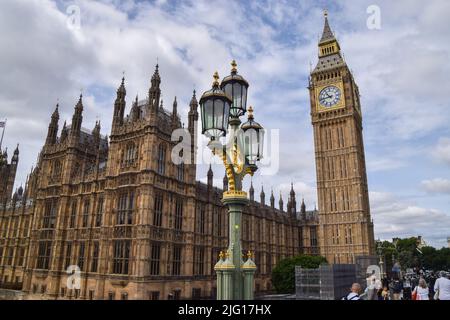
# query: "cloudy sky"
(402, 70)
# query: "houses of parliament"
(118, 213)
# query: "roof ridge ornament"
(233, 67)
(216, 79)
(250, 113)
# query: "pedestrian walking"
(421, 291)
(379, 294)
(397, 287)
(385, 282)
(354, 292)
(431, 281)
(373, 285)
(385, 294)
(442, 286)
(407, 289)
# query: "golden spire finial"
(250, 112)
(233, 66)
(216, 79)
(325, 13)
(221, 255)
(249, 254)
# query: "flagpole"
(3, 133)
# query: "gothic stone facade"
(8, 174)
(135, 224)
(140, 227)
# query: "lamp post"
(380, 254)
(221, 108)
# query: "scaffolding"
(307, 283)
(328, 282)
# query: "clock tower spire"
(346, 229)
(328, 44)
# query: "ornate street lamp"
(221, 108)
(236, 87)
(380, 254)
(215, 109)
(253, 139)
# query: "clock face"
(329, 96)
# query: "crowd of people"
(417, 286)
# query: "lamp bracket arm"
(229, 169)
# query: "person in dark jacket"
(431, 281)
(397, 287)
(385, 282)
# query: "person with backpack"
(354, 292)
(397, 287)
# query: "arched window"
(178, 214)
(158, 210)
(180, 172)
(130, 154)
(56, 170)
(86, 212)
(73, 214)
(121, 258)
(125, 208)
(200, 217)
(161, 159)
(49, 215)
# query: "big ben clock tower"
(346, 229)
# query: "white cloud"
(442, 150)
(384, 164)
(393, 67)
(437, 185)
(394, 217)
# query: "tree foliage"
(406, 252)
(283, 275)
(436, 259)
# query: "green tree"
(283, 275)
(407, 259)
(436, 259)
(408, 244)
(405, 251)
